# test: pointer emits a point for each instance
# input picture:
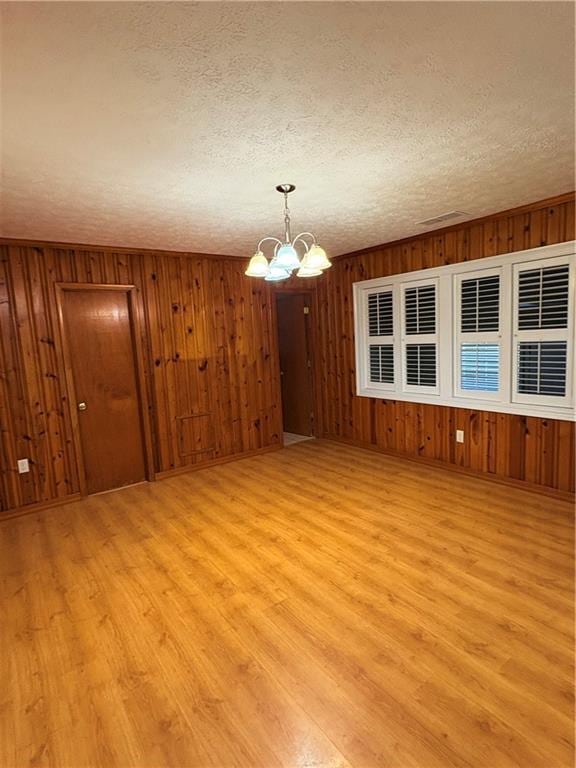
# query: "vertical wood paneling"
(210, 361)
(538, 451)
(210, 348)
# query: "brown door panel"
(98, 330)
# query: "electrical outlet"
(23, 466)
(459, 435)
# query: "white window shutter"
(382, 363)
(379, 329)
(380, 314)
(478, 334)
(543, 341)
(495, 333)
(420, 337)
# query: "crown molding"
(30, 243)
(547, 202)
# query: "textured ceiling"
(168, 125)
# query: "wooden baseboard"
(30, 509)
(486, 476)
(509, 481)
(213, 462)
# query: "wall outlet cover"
(23, 466)
(459, 435)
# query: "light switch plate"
(459, 435)
(23, 466)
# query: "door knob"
(82, 406)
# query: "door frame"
(309, 327)
(135, 318)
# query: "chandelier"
(285, 258)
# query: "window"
(542, 368)
(420, 309)
(478, 334)
(380, 320)
(480, 304)
(480, 367)
(494, 334)
(382, 363)
(421, 365)
(380, 325)
(419, 336)
(542, 309)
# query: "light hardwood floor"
(316, 606)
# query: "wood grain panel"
(196, 434)
(209, 347)
(537, 451)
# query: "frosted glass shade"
(287, 258)
(258, 266)
(276, 272)
(316, 258)
(307, 272)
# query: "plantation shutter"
(420, 337)
(542, 319)
(380, 322)
(478, 334)
(494, 334)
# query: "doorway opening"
(296, 375)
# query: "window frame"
(448, 332)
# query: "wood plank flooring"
(320, 606)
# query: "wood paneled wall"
(212, 366)
(211, 363)
(537, 451)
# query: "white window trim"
(446, 353)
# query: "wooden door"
(295, 362)
(102, 369)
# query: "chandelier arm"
(264, 239)
(301, 236)
(304, 243)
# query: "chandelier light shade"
(258, 266)
(308, 272)
(316, 258)
(286, 259)
(276, 271)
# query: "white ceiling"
(168, 125)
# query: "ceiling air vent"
(442, 219)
